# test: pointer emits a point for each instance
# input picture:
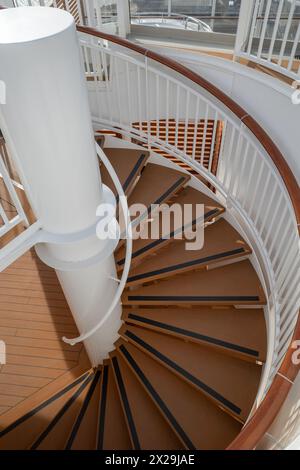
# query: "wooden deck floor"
(34, 316)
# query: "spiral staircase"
(204, 355)
(186, 368)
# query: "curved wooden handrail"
(264, 416)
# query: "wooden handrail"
(264, 416)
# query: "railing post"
(47, 123)
(169, 8)
(123, 18)
(245, 19)
(213, 12)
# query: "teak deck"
(34, 316)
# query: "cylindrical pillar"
(46, 120)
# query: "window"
(220, 16)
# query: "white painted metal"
(128, 255)
(261, 40)
(18, 216)
(123, 18)
(244, 23)
(47, 121)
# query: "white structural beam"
(245, 19)
(123, 17)
(47, 122)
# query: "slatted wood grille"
(199, 140)
(72, 6)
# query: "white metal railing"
(161, 18)
(13, 214)
(126, 87)
(101, 14)
(128, 254)
(268, 30)
(269, 34)
(11, 210)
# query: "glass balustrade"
(219, 16)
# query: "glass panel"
(148, 6)
(219, 16)
(108, 11)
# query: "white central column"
(46, 121)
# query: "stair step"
(84, 431)
(128, 164)
(198, 422)
(55, 435)
(125, 405)
(222, 243)
(231, 383)
(112, 428)
(158, 185)
(189, 196)
(238, 332)
(150, 429)
(20, 434)
(235, 284)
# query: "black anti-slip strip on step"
(188, 264)
(162, 198)
(61, 413)
(156, 243)
(192, 298)
(201, 385)
(126, 405)
(158, 202)
(83, 411)
(31, 413)
(192, 334)
(102, 410)
(157, 399)
(133, 172)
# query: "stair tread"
(157, 185)
(222, 242)
(153, 431)
(112, 428)
(235, 284)
(189, 196)
(22, 433)
(128, 164)
(228, 381)
(220, 428)
(55, 435)
(237, 331)
(84, 431)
